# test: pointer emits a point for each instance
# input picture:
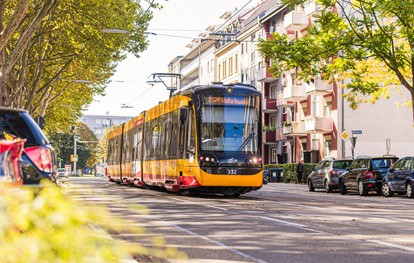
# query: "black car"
(38, 159)
(400, 178)
(326, 173)
(365, 174)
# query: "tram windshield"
(229, 124)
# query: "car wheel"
(386, 191)
(410, 193)
(342, 188)
(362, 189)
(310, 186)
(328, 187)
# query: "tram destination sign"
(225, 100)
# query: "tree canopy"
(368, 42)
(56, 54)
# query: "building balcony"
(295, 93)
(263, 75)
(280, 28)
(314, 9)
(280, 100)
(269, 137)
(269, 105)
(296, 20)
(294, 128)
(318, 124)
(279, 134)
(319, 87)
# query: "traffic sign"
(356, 131)
(73, 157)
(344, 135)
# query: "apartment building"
(302, 120)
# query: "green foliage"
(289, 171)
(66, 46)
(268, 128)
(43, 226)
(339, 44)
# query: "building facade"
(302, 120)
(100, 123)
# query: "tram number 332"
(231, 171)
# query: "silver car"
(326, 173)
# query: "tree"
(349, 40)
(86, 149)
(54, 53)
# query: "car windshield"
(381, 163)
(342, 164)
(230, 124)
(21, 125)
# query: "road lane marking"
(300, 226)
(194, 203)
(387, 244)
(246, 256)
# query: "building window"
(328, 109)
(242, 48)
(236, 62)
(230, 66)
(219, 72)
(98, 121)
(274, 155)
(224, 69)
(327, 148)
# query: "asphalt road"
(278, 223)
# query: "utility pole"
(75, 159)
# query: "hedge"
(289, 171)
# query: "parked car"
(62, 172)
(10, 156)
(325, 174)
(38, 158)
(365, 174)
(400, 178)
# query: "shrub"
(289, 171)
(42, 225)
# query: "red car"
(10, 154)
(38, 159)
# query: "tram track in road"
(180, 217)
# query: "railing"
(296, 20)
(319, 87)
(295, 93)
(269, 137)
(318, 124)
(269, 105)
(294, 128)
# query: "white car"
(62, 172)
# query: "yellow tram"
(206, 138)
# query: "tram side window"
(191, 133)
(125, 148)
(110, 151)
(161, 135)
(167, 138)
(155, 139)
(147, 140)
(173, 147)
